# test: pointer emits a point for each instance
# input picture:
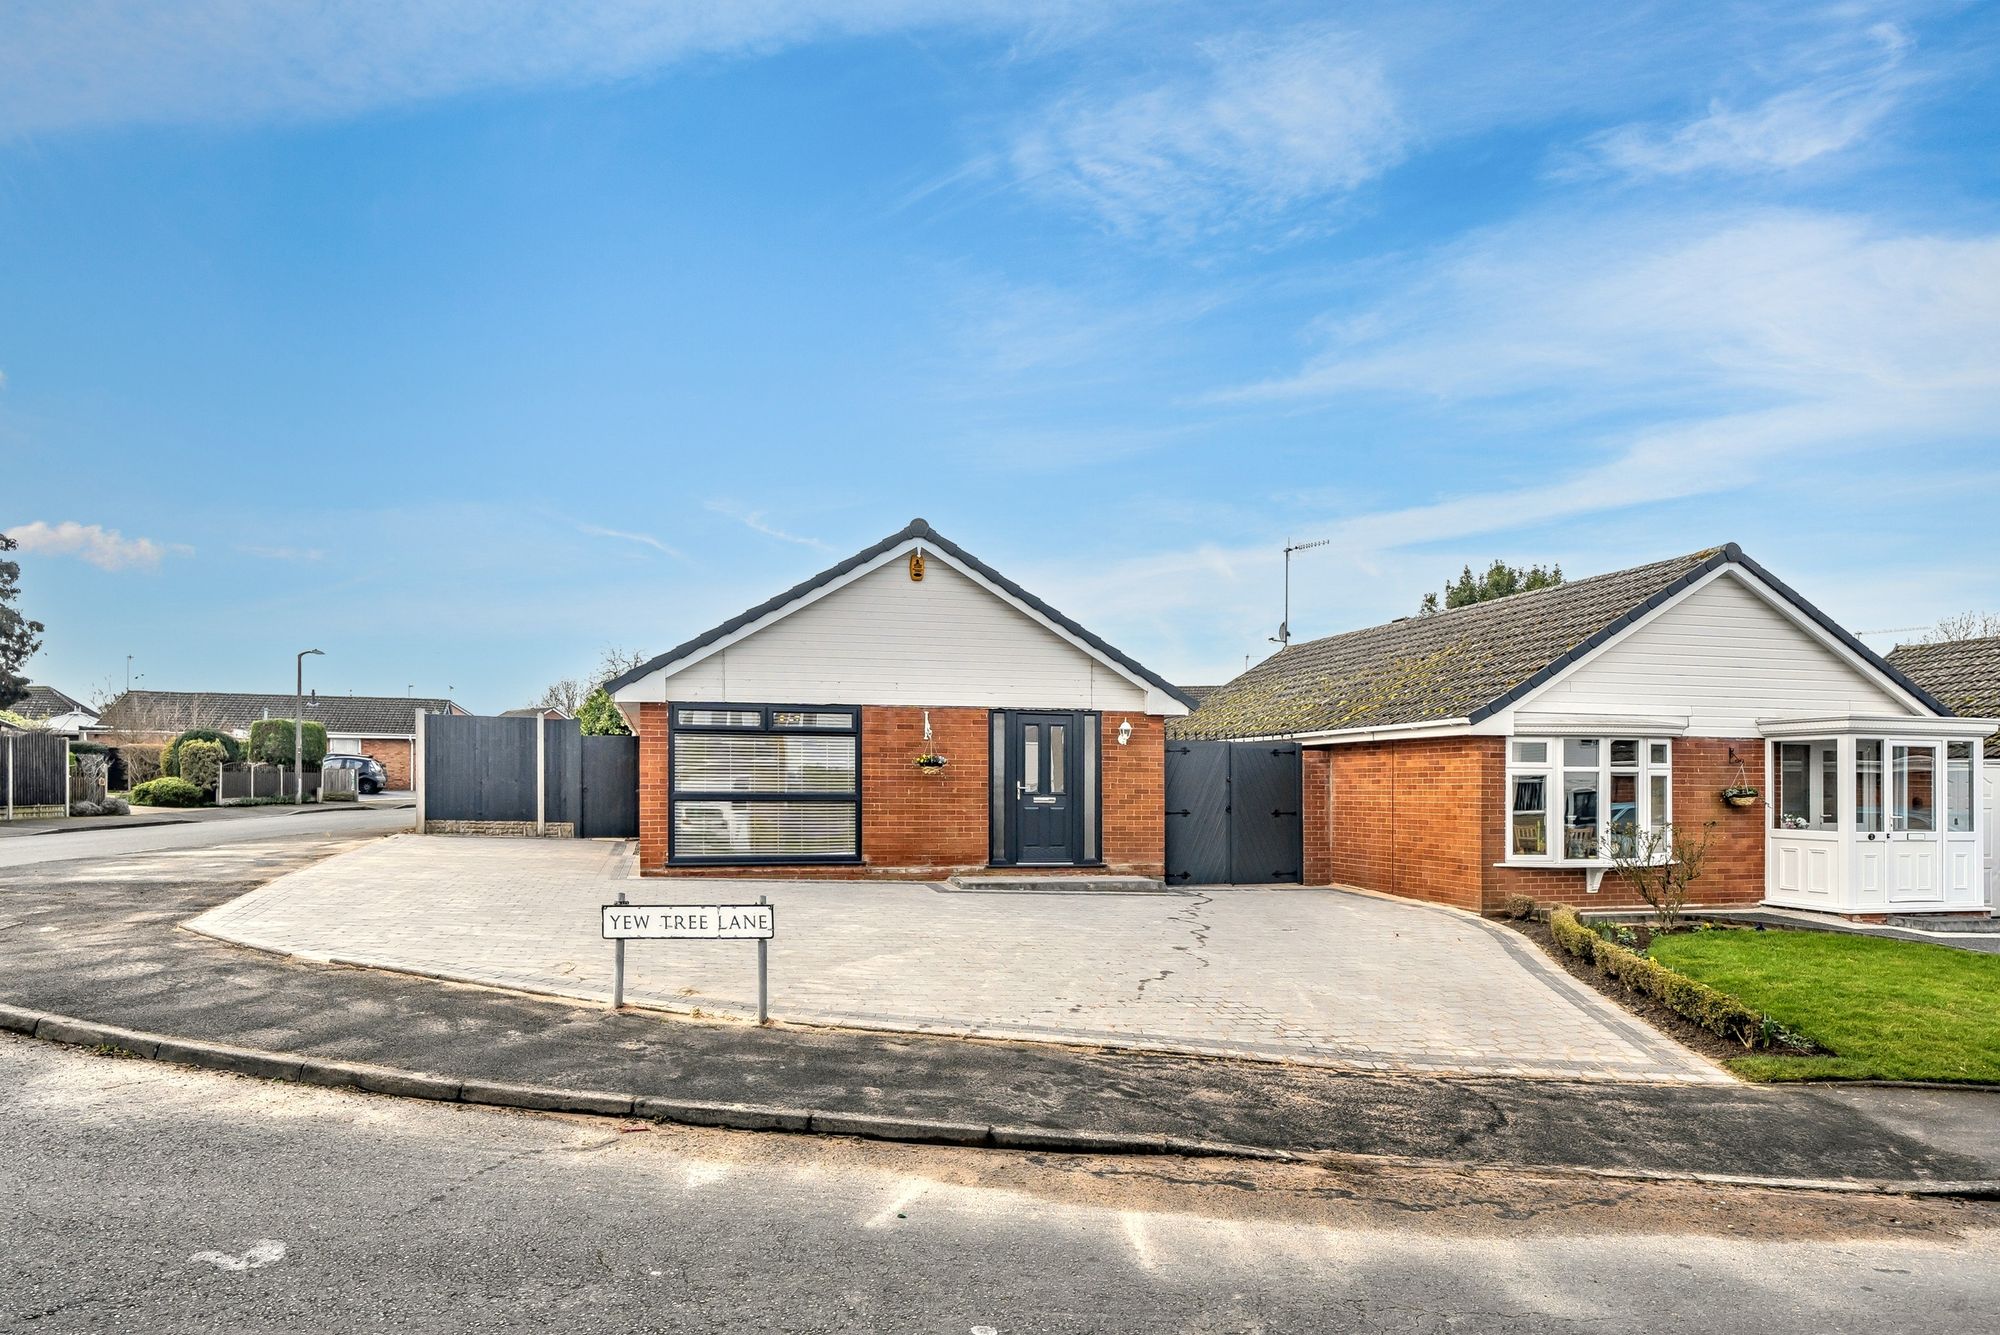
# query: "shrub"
(114, 806)
(167, 791)
(201, 764)
(1520, 907)
(1694, 1002)
(89, 749)
(271, 742)
(170, 759)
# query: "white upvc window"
(1578, 800)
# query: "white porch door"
(1989, 834)
(1915, 771)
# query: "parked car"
(369, 776)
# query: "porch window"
(1808, 796)
(1606, 790)
(764, 783)
(1958, 787)
(1868, 785)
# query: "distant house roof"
(232, 711)
(1965, 674)
(1468, 662)
(47, 702)
(915, 530)
(532, 711)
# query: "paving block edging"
(399, 1083)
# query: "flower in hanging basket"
(930, 762)
(1740, 795)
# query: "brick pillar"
(1316, 813)
(650, 722)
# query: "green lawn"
(1885, 1009)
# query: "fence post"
(10, 776)
(417, 767)
(69, 796)
(541, 775)
(763, 974)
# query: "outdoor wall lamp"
(1124, 731)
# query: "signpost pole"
(618, 968)
(763, 975)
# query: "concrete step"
(1028, 883)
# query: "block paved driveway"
(1330, 977)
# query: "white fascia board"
(1597, 725)
(1776, 600)
(1387, 732)
(1157, 701)
(1892, 725)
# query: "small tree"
(271, 742)
(566, 695)
(1662, 863)
(201, 764)
(19, 637)
(599, 716)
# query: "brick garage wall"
(922, 826)
(1399, 817)
(394, 754)
(1734, 872)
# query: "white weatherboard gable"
(880, 638)
(1723, 654)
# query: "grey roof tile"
(357, 715)
(1965, 674)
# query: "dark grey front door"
(1042, 770)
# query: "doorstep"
(1027, 883)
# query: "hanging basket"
(1740, 797)
(930, 765)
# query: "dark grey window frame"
(764, 728)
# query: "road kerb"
(396, 1082)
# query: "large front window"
(765, 783)
(1582, 799)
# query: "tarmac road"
(147, 1197)
(203, 829)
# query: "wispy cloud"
(96, 62)
(754, 521)
(105, 548)
(282, 553)
(1261, 128)
(1835, 92)
(642, 539)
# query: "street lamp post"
(299, 726)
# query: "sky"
(466, 341)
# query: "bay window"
(1606, 790)
(764, 783)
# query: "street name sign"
(690, 922)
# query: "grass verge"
(1884, 1009)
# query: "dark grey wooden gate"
(1233, 815)
(610, 788)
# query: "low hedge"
(168, 792)
(170, 758)
(1697, 1003)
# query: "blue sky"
(463, 341)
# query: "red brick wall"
(394, 755)
(1135, 795)
(1400, 817)
(1427, 819)
(1316, 813)
(927, 826)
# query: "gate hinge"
(1276, 812)
(1182, 812)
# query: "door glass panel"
(1031, 757)
(1530, 837)
(1868, 786)
(1058, 768)
(1958, 787)
(1913, 780)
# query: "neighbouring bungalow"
(910, 712)
(1498, 749)
(1965, 674)
(54, 711)
(382, 726)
